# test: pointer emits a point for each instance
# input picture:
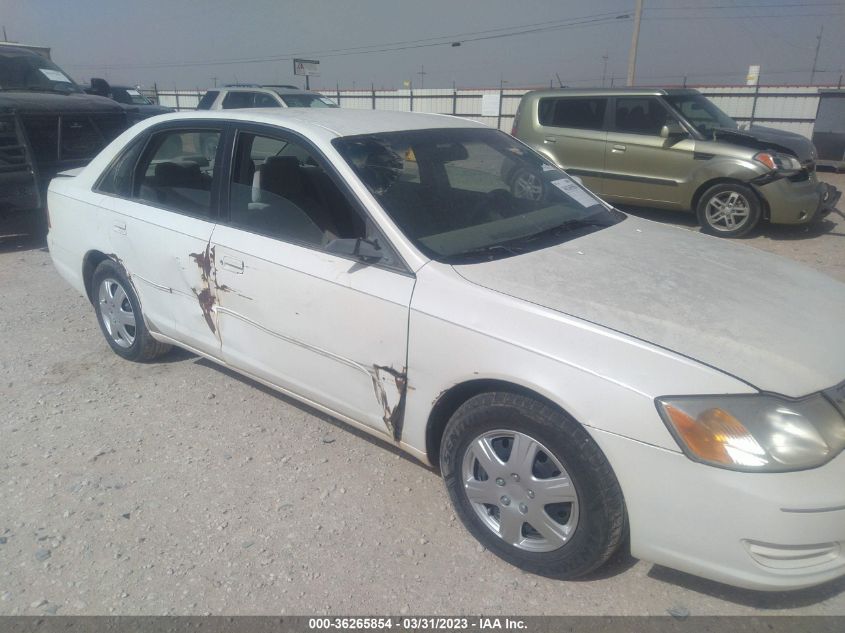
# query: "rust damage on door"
(208, 277)
(390, 387)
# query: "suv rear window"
(207, 99)
(582, 113)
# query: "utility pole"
(422, 75)
(214, 79)
(816, 58)
(604, 69)
(632, 55)
(5, 39)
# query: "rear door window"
(263, 100)
(579, 113)
(640, 115)
(238, 99)
(177, 171)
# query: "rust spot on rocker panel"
(394, 416)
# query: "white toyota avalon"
(579, 376)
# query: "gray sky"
(174, 42)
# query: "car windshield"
(701, 112)
(307, 101)
(469, 195)
(129, 96)
(22, 70)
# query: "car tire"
(558, 478)
(729, 210)
(120, 317)
(527, 185)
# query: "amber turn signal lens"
(767, 159)
(711, 435)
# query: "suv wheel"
(532, 485)
(728, 210)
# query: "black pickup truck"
(47, 125)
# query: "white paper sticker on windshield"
(548, 167)
(575, 192)
(133, 92)
(55, 75)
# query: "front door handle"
(550, 139)
(232, 265)
(119, 227)
(618, 149)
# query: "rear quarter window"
(207, 99)
(579, 113)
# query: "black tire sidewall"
(754, 204)
(588, 547)
(109, 269)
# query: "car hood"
(761, 137)
(53, 103)
(773, 323)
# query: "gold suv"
(674, 149)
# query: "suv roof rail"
(242, 86)
(282, 86)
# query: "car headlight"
(755, 433)
(778, 162)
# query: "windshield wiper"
(565, 227)
(487, 253)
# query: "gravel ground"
(181, 488)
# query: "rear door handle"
(119, 227)
(618, 148)
(550, 139)
(233, 265)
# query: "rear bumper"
(798, 202)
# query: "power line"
(735, 17)
(801, 5)
(443, 40)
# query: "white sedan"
(579, 376)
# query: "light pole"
(632, 55)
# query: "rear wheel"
(531, 485)
(728, 210)
(119, 315)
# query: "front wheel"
(531, 485)
(728, 210)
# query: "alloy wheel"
(727, 211)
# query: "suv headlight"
(778, 162)
(755, 433)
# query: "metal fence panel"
(791, 108)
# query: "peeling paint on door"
(390, 387)
(206, 295)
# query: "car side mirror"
(672, 130)
(367, 251)
(100, 87)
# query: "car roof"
(608, 92)
(333, 122)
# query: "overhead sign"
(306, 67)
